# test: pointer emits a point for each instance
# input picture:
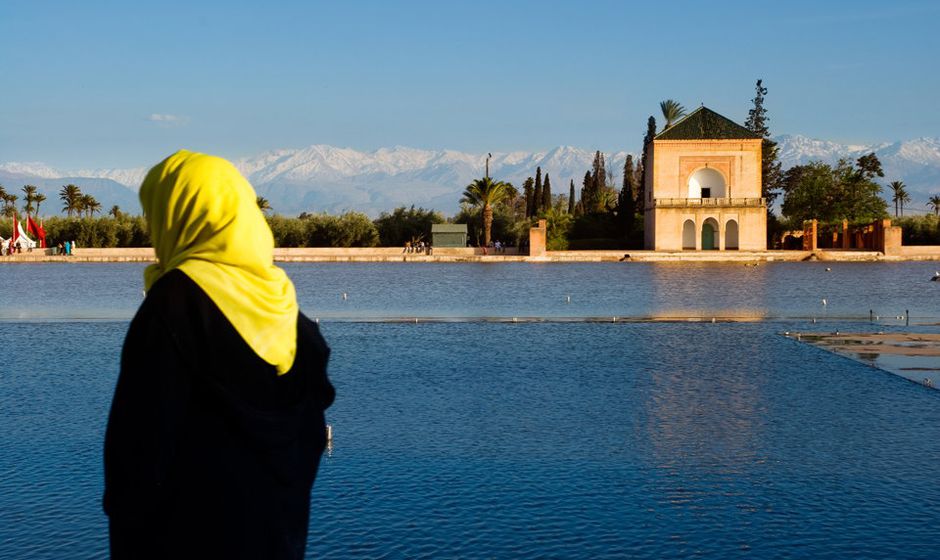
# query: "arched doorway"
(710, 235)
(707, 183)
(731, 234)
(688, 235)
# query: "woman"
(216, 427)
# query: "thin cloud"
(167, 119)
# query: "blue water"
(562, 440)
(638, 290)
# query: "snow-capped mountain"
(915, 162)
(328, 178)
(798, 150)
(30, 169)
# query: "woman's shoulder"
(312, 357)
(308, 333)
(176, 303)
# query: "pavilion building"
(703, 187)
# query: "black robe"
(208, 452)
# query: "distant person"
(216, 426)
(73, 247)
(67, 248)
(407, 247)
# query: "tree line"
(350, 229)
(75, 202)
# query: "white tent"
(24, 241)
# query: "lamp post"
(488, 156)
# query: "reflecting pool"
(539, 439)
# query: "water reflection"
(577, 440)
(706, 290)
(709, 415)
(470, 290)
(706, 414)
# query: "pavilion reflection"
(709, 290)
(707, 421)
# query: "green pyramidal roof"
(705, 124)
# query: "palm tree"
(486, 193)
(934, 202)
(39, 199)
(71, 196)
(557, 222)
(263, 204)
(30, 194)
(672, 111)
(900, 196)
(905, 197)
(9, 204)
(90, 205)
(897, 189)
(115, 211)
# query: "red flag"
(16, 232)
(36, 229)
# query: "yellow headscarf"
(204, 220)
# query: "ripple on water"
(535, 440)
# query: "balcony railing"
(709, 202)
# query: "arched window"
(710, 235)
(688, 235)
(707, 183)
(731, 235)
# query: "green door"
(708, 237)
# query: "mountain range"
(326, 178)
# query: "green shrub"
(352, 229)
(919, 230)
(595, 226)
(103, 232)
(557, 244)
(406, 224)
(287, 232)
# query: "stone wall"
(751, 222)
(538, 236)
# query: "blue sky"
(121, 84)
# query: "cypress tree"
(571, 198)
(587, 195)
(637, 175)
(537, 196)
(529, 195)
(644, 165)
(547, 194)
(625, 203)
(600, 177)
(771, 174)
(595, 181)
